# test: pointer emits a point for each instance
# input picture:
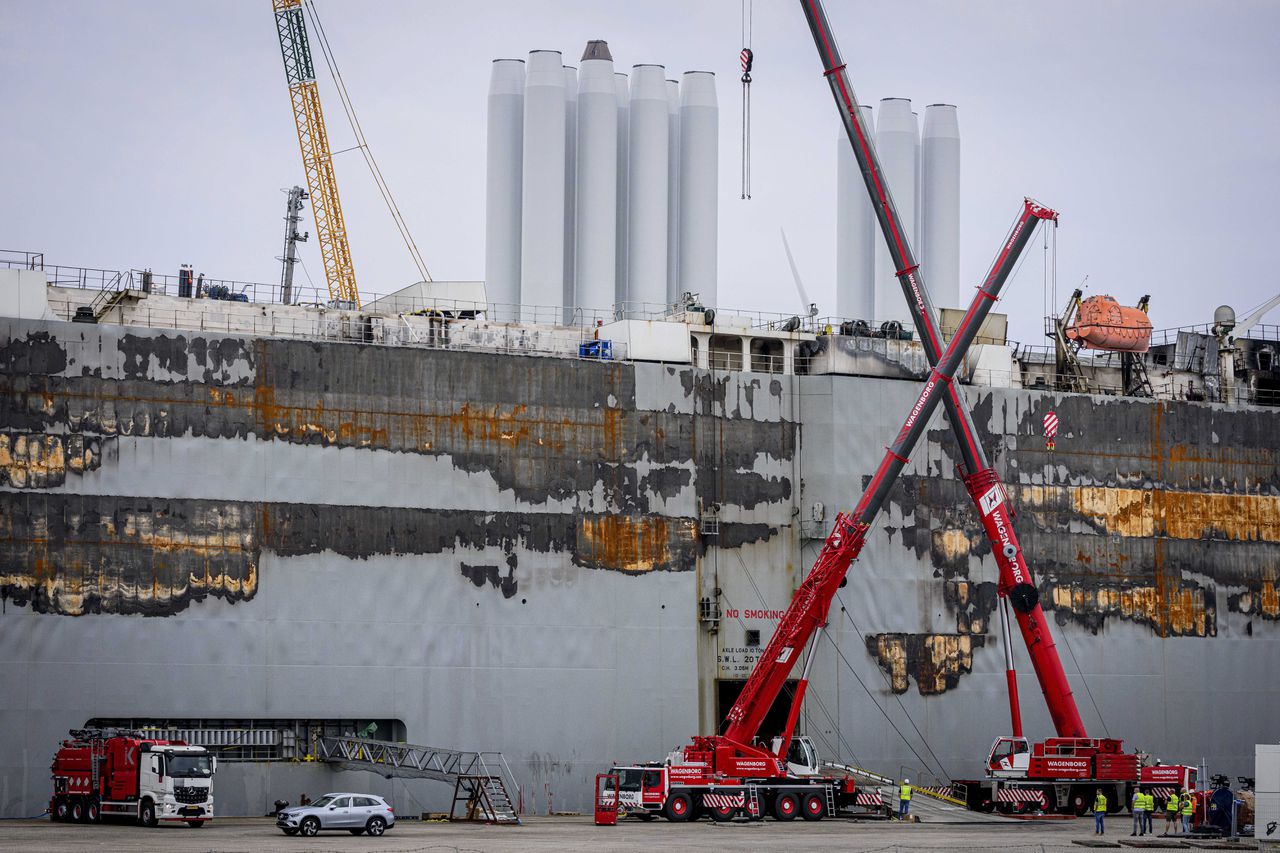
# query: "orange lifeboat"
(1102, 323)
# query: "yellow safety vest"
(905, 792)
(1100, 803)
(1189, 804)
(1151, 802)
(1172, 805)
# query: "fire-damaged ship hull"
(575, 562)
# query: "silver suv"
(356, 813)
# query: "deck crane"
(1063, 773)
(317, 161)
(733, 773)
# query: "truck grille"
(192, 794)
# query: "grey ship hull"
(523, 555)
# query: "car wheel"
(148, 815)
(62, 810)
(786, 807)
(309, 826)
(679, 808)
(813, 807)
(376, 826)
(289, 831)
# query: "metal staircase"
(479, 778)
(484, 798)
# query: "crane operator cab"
(802, 758)
(1010, 757)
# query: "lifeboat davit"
(1102, 323)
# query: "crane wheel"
(786, 807)
(77, 811)
(679, 808)
(723, 814)
(813, 807)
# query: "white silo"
(699, 184)
(673, 192)
(622, 90)
(856, 234)
(595, 239)
(503, 170)
(542, 207)
(918, 233)
(647, 186)
(570, 181)
(940, 202)
(896, 145)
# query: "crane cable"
(361, 143)
(747, 57)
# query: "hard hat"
(906, 781)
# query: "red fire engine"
(99, 773)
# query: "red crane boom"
(1016, 585)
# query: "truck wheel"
(813, 807)
(148, 814)
(61, 810)
(1079, 803)
(93, 812)
(376, 826)
(679, 808)
(309, 826)
(786, 806)
(723, 814)
(77, 811)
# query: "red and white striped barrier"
(1020, 795)
(868, 798)
(723, 801)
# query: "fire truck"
(99, 773)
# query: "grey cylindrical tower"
(673, 192)
(597, 181)
(940, 197)
(699, 184)
(570, 182)
(623, 92)
(896, 145)
(542, 207)
(855, 234)
(503, 170)
(647, 191)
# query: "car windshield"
(190, 765)
(323, 801)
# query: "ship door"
(727, 692)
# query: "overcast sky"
(149, 134)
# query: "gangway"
(485, 777)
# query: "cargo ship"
(252, 524)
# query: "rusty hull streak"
(935, 661)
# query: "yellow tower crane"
(317, 161)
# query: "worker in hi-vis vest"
(1099, 812)
(1171, 813)
(1150, 813)
(1139, 806)
(904, 799)
(1188, 810)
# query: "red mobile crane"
(1062, 773)
(732, 773)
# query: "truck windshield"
(629, 780)
(190, 765)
